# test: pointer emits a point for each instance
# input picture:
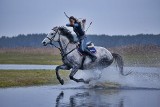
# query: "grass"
(17, 58)
(29, 56)
(106, 85)
(135, 55)
(139, 55)
(19, 78)
(9, 78)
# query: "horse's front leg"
(73, 72)
(64, 67)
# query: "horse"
(72, 59)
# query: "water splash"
(141, 78)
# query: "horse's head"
(52, 36)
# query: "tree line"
(34, 40)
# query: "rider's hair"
(72, 17)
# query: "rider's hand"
(84, 20)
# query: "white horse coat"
(72, 59)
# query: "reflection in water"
(88, 99)
(121, 103)
(72, 100)
(76, 97)
(59, 97)
(49, 96)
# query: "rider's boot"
(91, 55)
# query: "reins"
(63, 54)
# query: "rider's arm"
(75, 25)
(68, 25)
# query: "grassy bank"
(135, 55)
(139, 55)
(9, 78)
(20, 78)
(29, 56)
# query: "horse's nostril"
(44, 43)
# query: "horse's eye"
(51, 33)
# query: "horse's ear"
(53, 28)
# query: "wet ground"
(139, 89)
(25, 67)
(57, 96)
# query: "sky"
(111, 17)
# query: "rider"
(78, 28)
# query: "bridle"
(63, 54)
(51, 39)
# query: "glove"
(84, 20)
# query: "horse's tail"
(120, 63)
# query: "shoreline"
(22, 78)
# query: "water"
(141, 77)
(55, 96)
(139, 89)
(26, 67)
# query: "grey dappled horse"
(72, 59)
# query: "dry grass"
(30, 56)
(10, 78)
(135, 55)
(139, 55)
(29, 50)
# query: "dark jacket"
(78, 30)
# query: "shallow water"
(26, 67)
(139, 89)
(57, 96)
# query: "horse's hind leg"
(73, 72)
(64, 67)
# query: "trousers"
(83, 44)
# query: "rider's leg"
(83, 44)
(91, 55)
(64, 67)
(83, 47)
(73, 72)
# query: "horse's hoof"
(61, 81)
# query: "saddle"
(90, 47)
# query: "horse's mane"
(67, 33)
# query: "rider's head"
(72, 20)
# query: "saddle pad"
(92, 49)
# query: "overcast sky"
(111, 17)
